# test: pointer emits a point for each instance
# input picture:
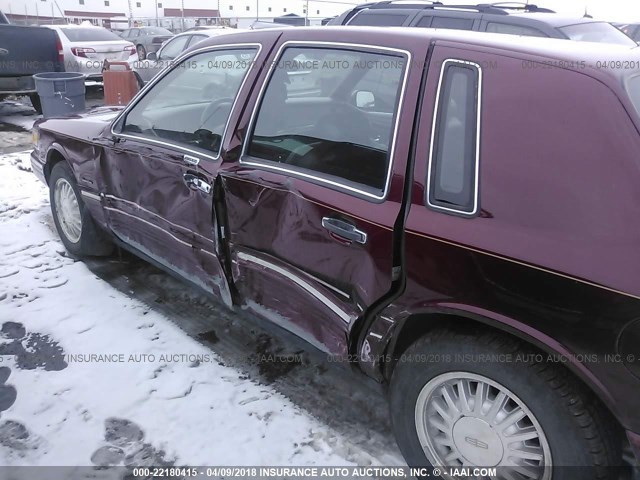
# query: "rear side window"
(452, 23)
(378, 20)
(453, 163)
(329, 114)
(494, 27)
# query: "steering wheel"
(214, 108)
(207, 139)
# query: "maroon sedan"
(455, 214)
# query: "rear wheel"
(77, 230)
(490, 401)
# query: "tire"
(35, 102)
(572, 427)
(77, 229)
(142, 52)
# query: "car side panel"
(552, 255)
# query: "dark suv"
(509, 18)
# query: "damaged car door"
(310, 204)
(158, 175)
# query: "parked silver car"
(155, 62)
(87, 47)
(146, 39)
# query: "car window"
(190, 105)
(632, 31)
(600, 32)
(197, 38)
(453, 158)
(156, 31)
(330, 112)
(174, 47)
(125, 34)
(134, 32)
(379, 20)
(495, 27)
(452, 22)
(89, 34)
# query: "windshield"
(599, 32)
(156, 31)
(89, 34)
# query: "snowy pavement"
(112, 362)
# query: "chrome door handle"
(344, 229)
(194, 182)
(190, 160)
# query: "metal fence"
(175, 24)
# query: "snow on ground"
(90, 376)
(18, 113)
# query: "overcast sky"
(611, 10)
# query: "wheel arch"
(416, 325)
(55, 154)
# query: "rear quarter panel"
(553, 255)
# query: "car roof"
(554, 19)
(213, 32)
(494, 10)
(570, 53)
(68, 25)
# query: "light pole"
(157, 21)
(257, 16)
(182, 15)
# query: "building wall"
(240, 12)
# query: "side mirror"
(152, 56)
(365, 99)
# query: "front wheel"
(460, 400)
(77, 230)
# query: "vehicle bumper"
(17, 85)
(37, 166)
(92, 69)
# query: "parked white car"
(87, 47)
(172, 48)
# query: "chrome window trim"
(432, 141)
(323, 179)
(178, 61)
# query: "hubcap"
(68, 210)
(464, 419)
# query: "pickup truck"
(25, 51)
(440, 209)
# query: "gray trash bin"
(61, 93)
